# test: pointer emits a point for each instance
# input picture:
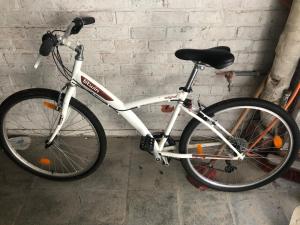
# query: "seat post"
(189, 83)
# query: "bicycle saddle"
(217, 57)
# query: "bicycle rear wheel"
(266, 158)
(28, 118)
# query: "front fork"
(70, 92)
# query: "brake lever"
(37, 63)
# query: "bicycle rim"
(265, 159)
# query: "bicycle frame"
(125, 110)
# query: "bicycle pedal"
(147, 143)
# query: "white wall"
(130, 48)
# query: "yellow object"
(49, 105)
(45, 161)
(277, 141)
(199, 149)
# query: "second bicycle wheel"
(267, 135)
(28, 118)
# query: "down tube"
(135, 121)
(109, 98)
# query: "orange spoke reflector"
(277, 141)
(45, 161)
(49, 105)
(199, 149)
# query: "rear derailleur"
(229, 168)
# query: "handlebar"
(49, 40)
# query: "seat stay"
(226, 141)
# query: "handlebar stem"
(79, 49)
(67, 43)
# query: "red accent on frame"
(167, 108)
(95, 89)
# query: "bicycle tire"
(20, 96)
(211, 110)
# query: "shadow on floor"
(131, 188)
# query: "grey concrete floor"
(131, 188)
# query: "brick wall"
(130, 49)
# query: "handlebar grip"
(49, 41)
(88, 20)
(79, 22)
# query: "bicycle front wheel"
(27, 120)
(267, 136)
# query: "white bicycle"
(63, 139)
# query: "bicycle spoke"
(74, 154)
(69, 160)
(59, 159)
(256, 166)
